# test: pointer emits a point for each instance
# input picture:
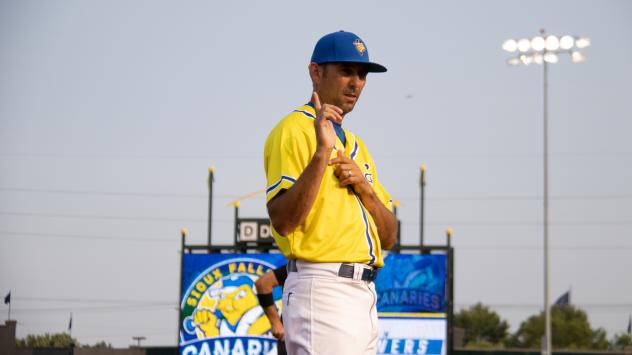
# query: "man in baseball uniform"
(330, 214)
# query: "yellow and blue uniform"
(338, 228)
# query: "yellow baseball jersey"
(338, 228)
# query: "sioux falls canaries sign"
(220, 313)
(411, 305)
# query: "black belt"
(346, 270)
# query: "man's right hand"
(325, 133)
(289, 209)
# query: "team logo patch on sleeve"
(367, 175)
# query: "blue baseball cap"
(344, 47)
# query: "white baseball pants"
(326, 314)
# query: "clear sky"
(111, 113)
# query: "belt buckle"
(357, 272)
(369, 274)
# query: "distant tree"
(99, 345)
(600, 339)
(569, 325)
(483, 327)
(482, 345)
(621, 341)
(57, 340)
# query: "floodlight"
(526, 59)
(577, 57)
(551, 58)
(582, 42)
(567, 42)
(552, 43)
(510, 45)
(537, 43)
(513, 61)
(538, 58)
(546, 50)
(524, 45)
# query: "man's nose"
(353, 83)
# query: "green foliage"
(480, 345)
(570, 328)
(529, 333)
(57, 340)
(483, 327)
(600, 339)
(621, 341)
(99, 345)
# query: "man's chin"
(347, 108)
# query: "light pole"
(211, 180)
(422, 189)
(138, 339)
(545, 50)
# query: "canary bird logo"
(359, 46)
(232, 309)
(220, 312)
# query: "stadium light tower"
(545, 49)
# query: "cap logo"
(359, 46)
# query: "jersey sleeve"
(285, 158)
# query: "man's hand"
(349, 174)
(325, 134)
(278, 331)
(289, 209)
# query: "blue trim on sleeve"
(276, 184)
(306, 113)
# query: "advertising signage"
(220, 313)
(411, 304)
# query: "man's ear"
(314, 73)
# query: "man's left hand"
(348, 172)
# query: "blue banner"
(410, 346)
(412, 333)
(412, 283)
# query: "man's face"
(341, 84)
